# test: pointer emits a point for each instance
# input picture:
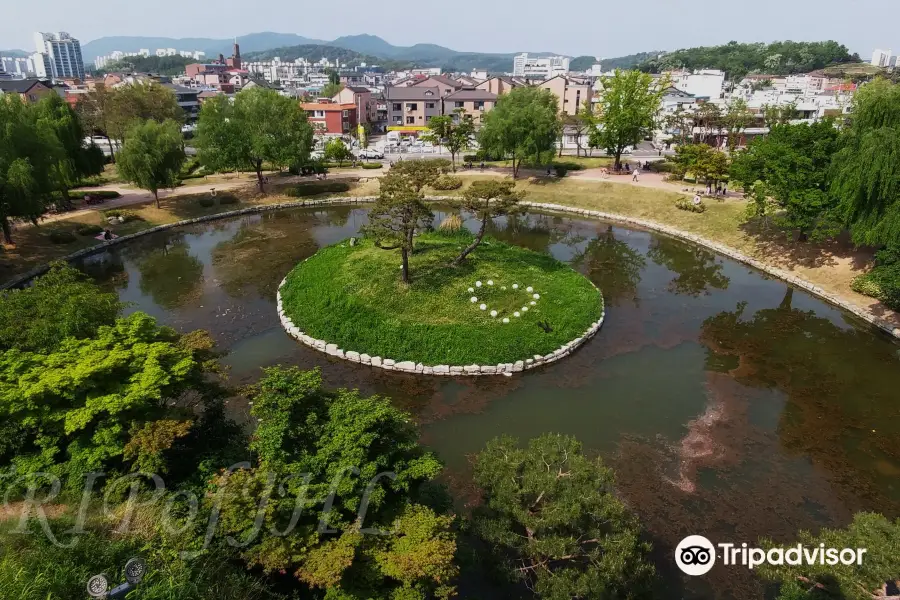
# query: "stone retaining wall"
(651, 225)
(408, 366)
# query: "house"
(497, 85)
(30, 90)
(468, 81)
(331, 118)
(361, 97)
(571, 92)
(410, 108)
(444, 84)
(188, 99)
(470, 101)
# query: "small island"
(502, 310)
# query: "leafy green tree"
(736, 119)
(86, 404)
(259, 127)
(792, 165)
(705, 163)
(709, 120)
(551, 517)
(456, 132)
(584, 122)
(95, 110)
(866, 176)
(362, 458)
(421, 172)
(523, 125)
(61, 303)
(775, 114)
(871, 580)
(153, 156)
(331, 89)
(628, 108)
(681, 123)
(74, 161)
(400, 210)
(139, 102)
(337, 150)
(28, 152)
(487, 199)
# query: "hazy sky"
(592, 27)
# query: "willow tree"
(867, 168)
(153, 156)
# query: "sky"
(586, 27)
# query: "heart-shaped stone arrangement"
(530, 297)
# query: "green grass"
(353, 297)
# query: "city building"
(881, 58)
(444, 84)
(499, 85)
(60, 56)
(17, 68)
(361, 98)
(411, 108)
(30, 90)
(702, 84)
(188, 99)
(331, 118)
(470, 101)
(539, 68)
(427, 72)
(571, 92)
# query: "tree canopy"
(629, 104)
(259, 126)
(152, 156)
(554, 523)
(523, 125)
(456, 132)
(737, 60)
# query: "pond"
(730, 404)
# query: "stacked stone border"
(862, 313)
(408, 366)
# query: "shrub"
(107, 194)
(452, 223)
(688, 205)
(447, 182)
(371, 165)
(126, 215)
(89, 230)
(228, 199)
(314, 188)
(567, 165)
(561, 170)
(882, 282)
(206, 201)
(59, 236)
(470, 158)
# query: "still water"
(730, 405)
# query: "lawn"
(574, 163)
(353, 296)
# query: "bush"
(470, 158)
(314, 188)
(561, 170)
(567, 165)
(59, 236)
(689, 206)
(447, 182)
(371, 165)
(89, 230)
(882, 283)
(206, 201)
(126, 215)
(451, 224)
(107, 194)
(228, 199)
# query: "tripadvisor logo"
(696, 555)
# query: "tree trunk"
(259, 177)
(515, 168)
(156, 197)
(618, 163)
(453, 160)
(112, 154)
(7, 231)
(405, 273)
(459, 259)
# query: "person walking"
(635, 174)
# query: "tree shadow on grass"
(781, 247)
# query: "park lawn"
(353, 296)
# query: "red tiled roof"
(327, 106)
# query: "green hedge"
(314, 188)
(447, 182)
(90, 230)
(882, 282)
(206, 201)
(107, 194)
(128, 215)
(229, 199)
(689, 206)
(371, 165)
(58, 236)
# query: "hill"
(211, 46)
(163, 65)
(15, 53)
(315, 52)
(737, 60)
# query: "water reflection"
(729, 404)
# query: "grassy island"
(503, 304)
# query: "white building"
(881, 58)
(61, 56)
(427, 72)
(539, 68)
(701, 84)
(19, 68)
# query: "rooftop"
(327, 106)
(411, 93)
(471, 94)
(20, 86)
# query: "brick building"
(331, 118)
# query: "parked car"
(370, 153)
(316, 155)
